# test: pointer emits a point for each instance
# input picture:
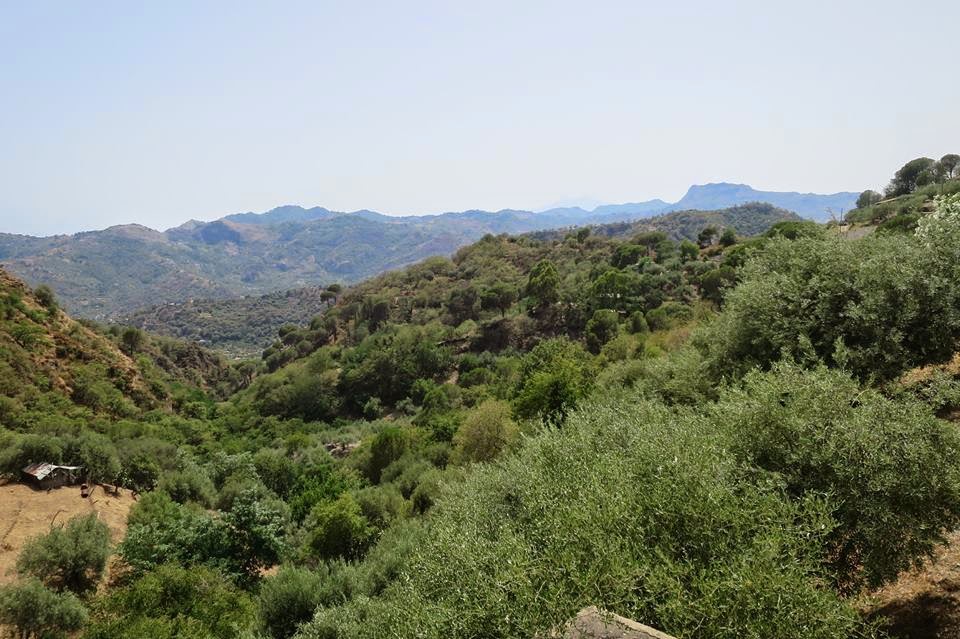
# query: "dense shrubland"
(721, 521)
(714, 437)
(240, 327)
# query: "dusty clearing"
(924, 604)
(26, 513)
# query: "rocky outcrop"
(593, 623)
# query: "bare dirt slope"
(26, 513)
(924, 603)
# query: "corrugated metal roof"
(41, 470)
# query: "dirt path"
(925, 603)
(26, 513)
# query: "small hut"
(46, 476)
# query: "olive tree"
(72, 557)
(35, 611)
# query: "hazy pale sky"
(116, 112)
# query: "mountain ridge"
(703, 197)
(106, 274)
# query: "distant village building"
(46, 476)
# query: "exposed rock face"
(593, 623)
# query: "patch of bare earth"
(26, 513)
(923, 603)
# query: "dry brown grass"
(924, 603)
(26, 513)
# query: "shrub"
(602, 327)
(172, 602)
(337, 529)
(30, 449)
(287, 600)
(637, 323)
(635, 508)
(161, 535)
(668, 315)
(877, 306)
(140, 472)
(387, 446)
(428, 490)
(99, 458)
(728, 237)
(256, 527)
(240, 542)
(381, 506)
(47, 299)
(554, 376)
(36, 612)
(278, 472)
(153, 508)
(487, 431)
(187, 485)
(72, 557)
(888, 468)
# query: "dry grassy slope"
(26, 513)
(56, 344)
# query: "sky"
(157, 113)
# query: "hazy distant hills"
(110, 273)
(703, 197)
(245, 326)
(709, 197)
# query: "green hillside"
(238, 327)
(106, 275)
(719, 437)
(247, 325)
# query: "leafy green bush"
(386, 447)
(487, 431)
(905, 223)
(36, 612)
(22, 450)
(382, 506)
(888, 467)
(668, 315)
(554, 376)
(387, 363)
(635, 508)
(287, 600)
(795, 229)
(47, 299)
(337, 529)
(637, 323)
(172, 602)
(876, 306)
(72, 557)
(189, 484)
(602, 327)
(239, 542)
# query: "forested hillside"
(238, 327)
(246, 325)
(105, 275)
(715, 435)
(51, 364)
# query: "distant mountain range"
(110, 273)
(243, 327)
(701, 197)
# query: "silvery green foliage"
(940, 230)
